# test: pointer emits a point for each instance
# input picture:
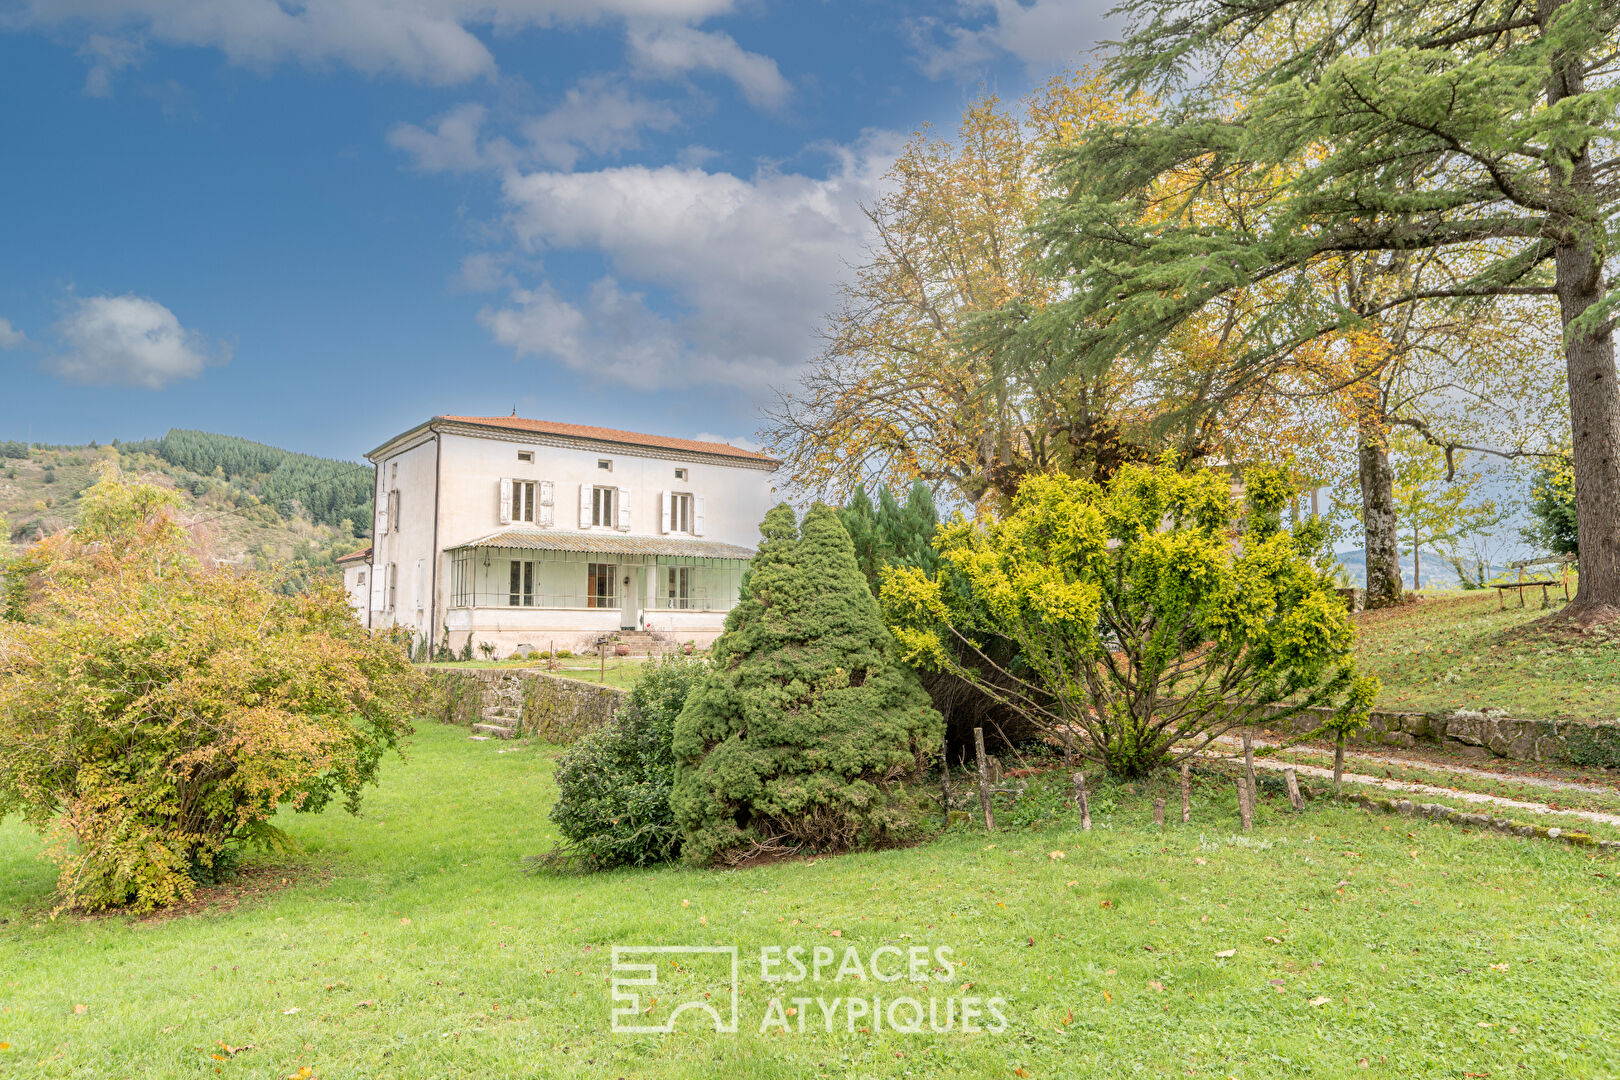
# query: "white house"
(530, 533)
(356, 567)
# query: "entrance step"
(495, 731)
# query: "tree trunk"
(1416, 582)
(1594, 396)
(1382, 543)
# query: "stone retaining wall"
(1578, 742)
(554, 708)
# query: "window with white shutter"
(548, 503)
(664, 500)
(623, 499)
(506, 502)
(421, 584)
(379, 590)
(586, 491)
(393, 510)
(679, 518)
(522, 500)
(698, 525)
(603, 502)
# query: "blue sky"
(315, 223)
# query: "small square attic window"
(604, 464)
(680, 474)
(525, 455)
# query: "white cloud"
(424, 40)
(107, 55)
(452, 145)
(130, 341)
(10, 336)
(1041, 33)
(748, 268)
(597, 117)
(613, 334)
(669, 51)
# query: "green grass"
(1460, 652)
(411, 946)
(621, 671)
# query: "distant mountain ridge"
(249, 503)
(1433, 571)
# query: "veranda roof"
(608, 544)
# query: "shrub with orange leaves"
(156, 712)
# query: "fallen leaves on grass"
(1316, 1001)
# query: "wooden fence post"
(1186, 793)
(1082, 800)
(1158, 811)
(984, 779)
(945, 777)
(1293, 789)
(1248, 761)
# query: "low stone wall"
(552, 708)
(1577, 742)
(560, 710)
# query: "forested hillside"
(324, 490)
(246, 502)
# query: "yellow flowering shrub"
(1146, 616)
(156, 712)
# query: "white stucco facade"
(357, 579)
(523, 533)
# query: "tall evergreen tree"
(891, 533)
(1484, 132)
(807, 721)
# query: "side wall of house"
(402, 555)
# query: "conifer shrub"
(805, 729)
(614, 783)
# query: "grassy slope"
(499, 974)
(230, 535)
(1450, 652)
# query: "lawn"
(1462, 652)
(619, 671)
(409, 944)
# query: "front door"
(630, 613)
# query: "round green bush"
(614, 783)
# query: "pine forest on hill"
(248, 502)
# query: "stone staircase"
(645, 643)
(502, 713)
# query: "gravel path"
(1544, 782)
(1431, 789)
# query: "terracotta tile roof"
(612, 435)
(363, 555)
(531, 539)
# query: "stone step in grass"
(496, 731)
